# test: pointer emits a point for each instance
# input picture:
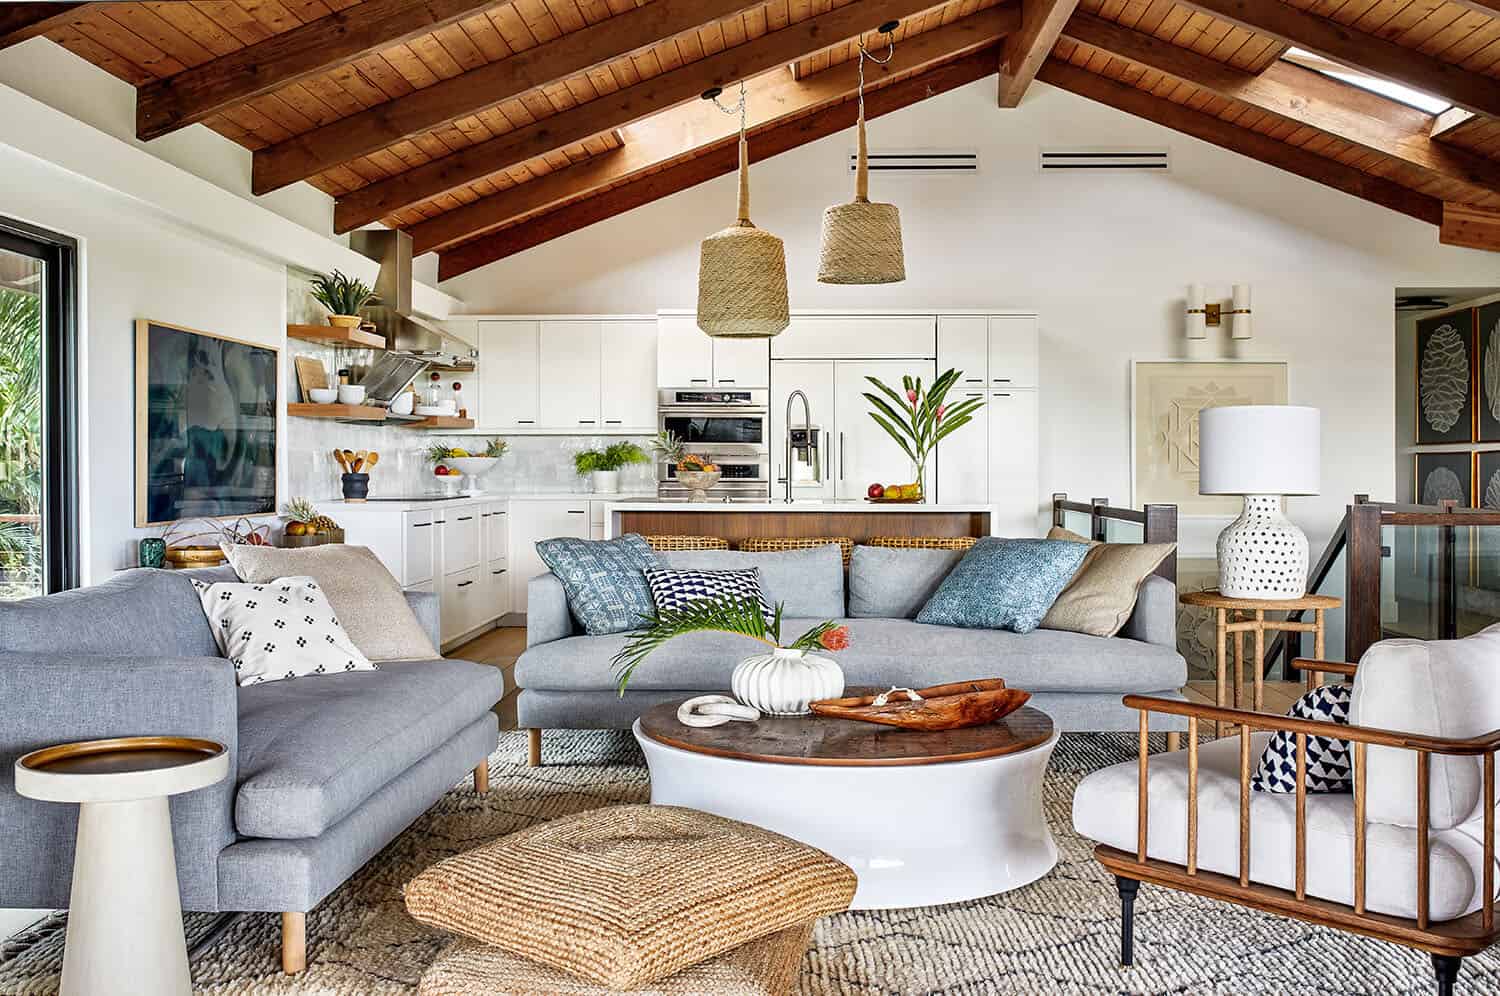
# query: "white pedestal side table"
(124, 918)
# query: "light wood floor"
(502, 646)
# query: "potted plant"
(781, 682)
(605, 464)
(343, 296)
(918, 420)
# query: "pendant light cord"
(862, 165)
(742, 110)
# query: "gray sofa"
(324, 771)
(566, 679)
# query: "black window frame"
(59, 255)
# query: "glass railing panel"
(1077, 522)
(1120, 531)
(1412, 588)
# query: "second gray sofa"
(566, 679)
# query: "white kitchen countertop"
(335, 506)
(846, 505)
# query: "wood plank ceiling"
(485, 128)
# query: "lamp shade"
(742, 273)
(1259, 450)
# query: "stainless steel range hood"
(404, 331)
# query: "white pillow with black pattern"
(674, 588)
(1330, 762)
(280, 629)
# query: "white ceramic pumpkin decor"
(783, 682)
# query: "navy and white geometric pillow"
(673, 589)
(1330, 762)
(277, 630)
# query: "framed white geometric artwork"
(1166, 397)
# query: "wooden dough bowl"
(952, 706)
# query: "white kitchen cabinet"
(569, 374)
(864, 453)
(1013, 351)
(627, 374)
(462, 602)
(814, 378)
(460, 538)
(1014, 489)
(963, 343)
(837, 337)
(742, 363)
(419, 553)
(684, 354)
(963, 458)
(497, 589)
(494, 524)
(532, 520)
(509, 364)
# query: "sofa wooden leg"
(293, 942)
(482, 777)
(1446, 967)
(535, 742)
(1174, 741)
(1128, 888)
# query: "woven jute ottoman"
(625, 897)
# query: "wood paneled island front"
(735, 521)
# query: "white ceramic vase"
(783, 682)
(606, 481)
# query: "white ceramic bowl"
(322, 395)
(351, 394)
(431, 410)
(471, 466)
(403, 403)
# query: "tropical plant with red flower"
(918, 420)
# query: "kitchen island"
(735, 521)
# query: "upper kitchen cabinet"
(509, 397)
(857, 337)
(628, 374)
(1013, 351)
(687, 357)
(998, 352)
(569, 374)
(963, 343)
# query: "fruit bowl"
(471, 467)
(698, 482)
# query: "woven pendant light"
(862, 240)
(742, 269)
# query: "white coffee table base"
(916, 835)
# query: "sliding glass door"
(38, 426)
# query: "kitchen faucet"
(806, 426)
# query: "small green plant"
(610, 458)
(340, 294)
(496, 448)
(725, 614)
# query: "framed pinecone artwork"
(1446, 366)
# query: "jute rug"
(1058, 935)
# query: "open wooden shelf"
(370, 413)
(330, 335)
(441, 422)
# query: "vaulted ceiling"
(487, 128)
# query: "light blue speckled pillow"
(605, 580)
(1004, 584)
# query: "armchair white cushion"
(1442, 688)
(1104, 810)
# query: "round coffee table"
(124, 915)
(922, 818)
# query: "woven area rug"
(1058, 935)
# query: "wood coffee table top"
(846, 742)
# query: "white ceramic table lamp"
(1262, 452)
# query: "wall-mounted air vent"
(1106, 160)
(920, 161)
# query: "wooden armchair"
(1422, 812)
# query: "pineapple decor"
(305, 527)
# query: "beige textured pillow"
(1101, 596)
(626, 895)
(764, 967)
(367, 598)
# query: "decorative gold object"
(862, 240)
(742, 269)
(195, 556)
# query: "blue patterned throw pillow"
(1330, 762)
(605, 580)
(1004, 584)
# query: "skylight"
(1395, 91)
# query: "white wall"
(1103, 258)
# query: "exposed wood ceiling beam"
(722, 160)
(770, 51)
(1446, 123)
(278, 61)
(1471, 227)
(20, 21)
(1361, 51)
(1217, 131)
(1304, 97)
(487, 86)
(1025, 51)
(1490, 7)
(697, 127)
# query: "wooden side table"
(124, 915)
(1238, 616)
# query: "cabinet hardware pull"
(465, 518)
(525, 421)
(974, 394)
(973, 380)
(1002, 394)
(576, 511)
(613, 421)
(1002, 380)
(841, 456)
(501, 571)
(726, 380)
(698, 380)
(464, 584)
(585, 421)
(421, 525)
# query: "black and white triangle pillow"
(280, 629)
(1330, 762)
(674, 589)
